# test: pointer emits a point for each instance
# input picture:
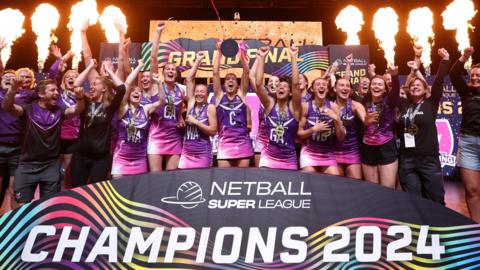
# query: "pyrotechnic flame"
(385, 26)
(420, 28)
(111, 16)
(11, 28)
(84, 11)
(350, 21)
(457, 16)
(44, 22)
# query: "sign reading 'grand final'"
(237, 219)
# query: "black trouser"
(94, 168)
(422, 175)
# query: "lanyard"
(409, 120)
(194, 112)
(93, 112)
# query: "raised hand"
(200, 56)
(418, 49)
(443, 54)
(349, 58)
(160, 27)
(263, 51)
(412, 65)
(392, 70)
(293, 51)
(468, 52)
(93, 63)
(55, 51)
(371, 69)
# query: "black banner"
(237, 219)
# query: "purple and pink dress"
(164, 137)
(348, 150)
(318, 150)
(262, 132)
(234, 140)
(130, 154)
(279, 153)
(70, 127)
(197, 149)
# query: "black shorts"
(9, 155)
(379, 154)
(67, 146)
(29, 175)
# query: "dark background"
(140, 12)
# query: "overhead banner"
(237, 219)
(312, 59)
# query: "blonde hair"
(28, 70)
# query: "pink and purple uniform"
(280, 152)
(197, 149)
(70, 126)
(382, 132)
(233, 137)
(164, 137)
(348, 151)
(317, 150)
(130, 155)
(262, 133)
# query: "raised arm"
(348, 68)
(121, 53)
(266, 101)
(79, 106)
(457, 71)
(371, 71)
(296, 92)
(117, 82)
(85, 73)
(8, 103)
(150, 108)
(155, 48)
(414, 72)
(217, 83)
(133, 75)
(394, 94)
(190, 80)
(437, 86)
(244, 82)
(55, 72)
(418, 50)
(87, 53)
